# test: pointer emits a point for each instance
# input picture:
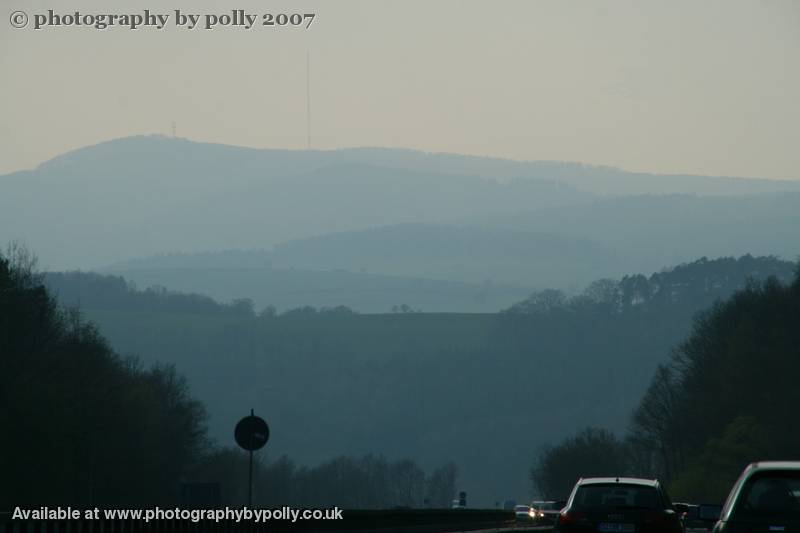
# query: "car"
(523, 513)
(700, 517)
(765, 498)
(620, 505)
(690, 516)
(546, 512)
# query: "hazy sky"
(707, 87)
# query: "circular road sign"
(251, 433)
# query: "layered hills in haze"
(346, 224)
(310, 267)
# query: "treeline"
(82, 426)
(96, 291)
(593, 452)
(102, 291)
(85, 427)
(727, 396)
(367, 482)
(688, 286)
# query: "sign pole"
(250, 472)
(251, 433)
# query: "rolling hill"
(139, 196)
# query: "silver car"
(765, 499)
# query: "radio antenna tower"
(308, 99)
(174, 129)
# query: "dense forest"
(725, 397)
(484, 391)
(84, 426)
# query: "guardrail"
(360, 521)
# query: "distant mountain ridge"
(140, 196)
(652, 231)
(438, 252)
(597, 179)
(565, 247)
(143, 195)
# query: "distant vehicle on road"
(546, 512)
(523, 513)
(765, 498)
(691, 517)
(700, 517)
(620, 505)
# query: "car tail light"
(568, 518)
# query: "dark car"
(620, 505)
(690, 516)
(700, 517)
(765, 498)
(546, 512)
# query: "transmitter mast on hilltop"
(308, 100)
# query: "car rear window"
(545, 506)
(616, 495)
(768, 494)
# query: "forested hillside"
(726, 397)
(88, 427)
(435, 387)
(79, 408)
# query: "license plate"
(614, 527)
